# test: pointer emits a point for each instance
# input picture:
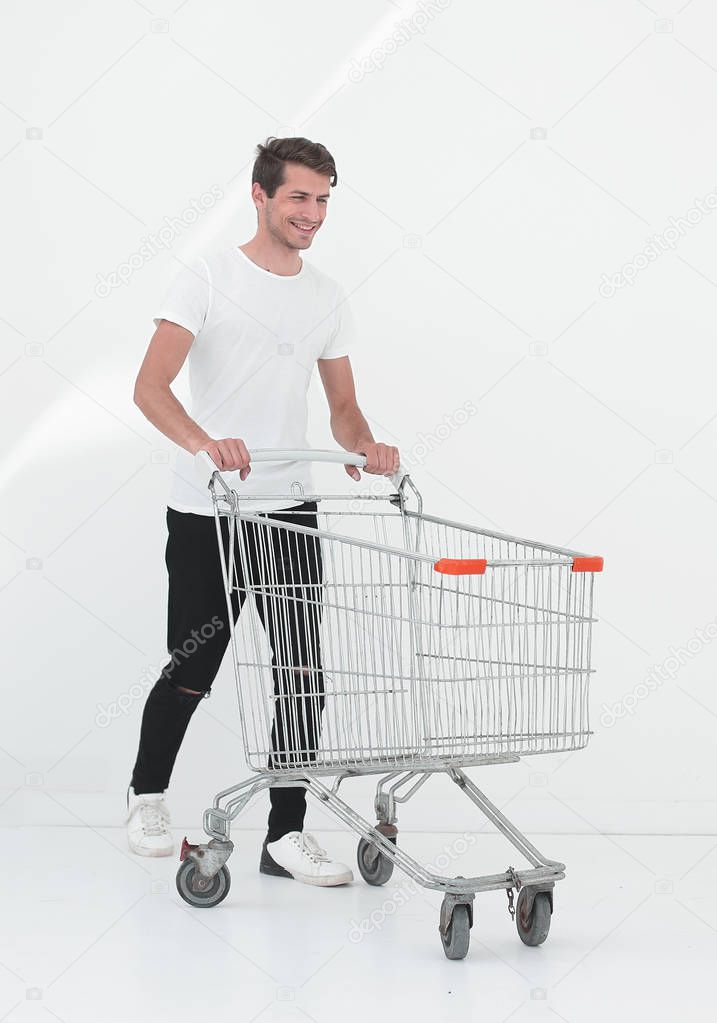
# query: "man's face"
(297, 210)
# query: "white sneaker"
(147, 822)
(298, 855)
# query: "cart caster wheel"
(374, 867)
(216, 889)
(533, 926)
(458, 936)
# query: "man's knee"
(184, 691)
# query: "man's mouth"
(303, 228)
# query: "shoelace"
(154, 821)
(310, 847)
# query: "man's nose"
(312, 210)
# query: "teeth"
(303, 227)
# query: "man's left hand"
(381, 460)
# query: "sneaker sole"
(319, 882)
(139, 851)
(324, 882)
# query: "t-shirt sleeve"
(187, 299)
(342, 337)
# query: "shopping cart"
(401, 645)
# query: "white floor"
(90, 932)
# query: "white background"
(491, 171)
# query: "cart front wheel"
(374, 867)
(533, 925)
(457, 938)
(216, 889)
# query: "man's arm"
(153, 395)
(348, 424)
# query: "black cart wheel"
(216, 889)
(458, 937)
(375, 868)
(533, 925)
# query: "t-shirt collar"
(268, 273)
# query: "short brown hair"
(274, 153)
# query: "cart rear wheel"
(375, 868)
(533, 926)
(457, 939)
(216, 890)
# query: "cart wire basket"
(394, 643)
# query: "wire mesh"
(356, 652)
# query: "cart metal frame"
(432, 598)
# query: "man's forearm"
(164, 411)
(351, 430)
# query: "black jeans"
(283, 567)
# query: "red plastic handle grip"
(587, 564)
(461, 566)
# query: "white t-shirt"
(257, 338)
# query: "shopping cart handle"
(204, 462)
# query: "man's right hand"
(228, 453)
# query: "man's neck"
(272, 256)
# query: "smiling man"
(254, 320)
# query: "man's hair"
(275, 153)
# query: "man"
(254, 320)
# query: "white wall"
(493, 170)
